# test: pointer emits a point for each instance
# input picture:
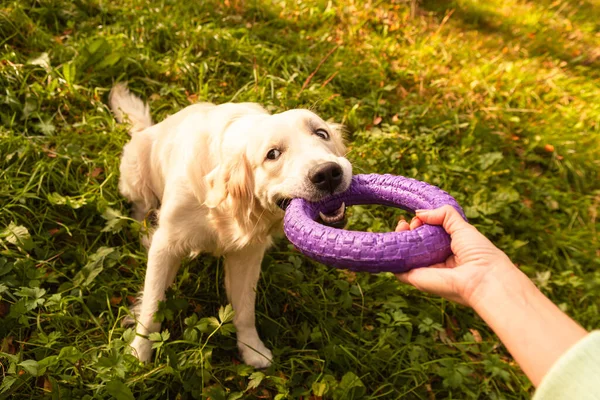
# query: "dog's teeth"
(327, 218)
(341, 210)
(336, 215)
(324, 217)
(339, 213)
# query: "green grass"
(497, 102)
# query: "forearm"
(534, 330)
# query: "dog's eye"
(273, 154)
(322, 133)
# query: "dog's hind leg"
(242, 270)
(135, 183)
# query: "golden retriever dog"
(220, 176)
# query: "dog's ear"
(338, 138)
(233, 180)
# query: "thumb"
(447, 216)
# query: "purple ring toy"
(366, 251)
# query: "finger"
(415, 223)
(407, 277)
(430, 279)
(447, 216)
(450, 263)
(402, 226)
(434, 279)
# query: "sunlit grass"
(496, 102)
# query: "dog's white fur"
(207, 170)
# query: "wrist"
(530, 326)
(502, 282)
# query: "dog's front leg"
(242, 270)
(163, 263)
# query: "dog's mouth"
(336, 218)
(283, 203)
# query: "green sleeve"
(576, 374)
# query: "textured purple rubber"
(367, 251)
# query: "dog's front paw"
(256, 354)
(141, 348)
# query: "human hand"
(475, 264)
(533, 329)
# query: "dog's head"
(266, 160)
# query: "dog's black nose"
(326, 176)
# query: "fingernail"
(421, 211)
